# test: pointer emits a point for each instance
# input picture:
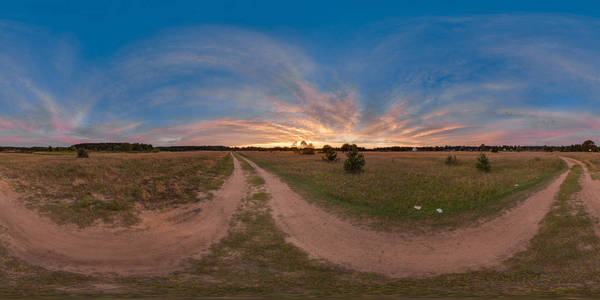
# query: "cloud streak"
(526, 79)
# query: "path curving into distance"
(324, 236)
(589, 193)
(157, 246)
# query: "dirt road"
(156, 246)
(327, 237)
(589, 194)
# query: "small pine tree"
(330, 155)
(451, 160)
(355, 161)
(483, 163)
(82, 153)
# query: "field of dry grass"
(112, 187)
(591, 160)
(255, 259)
(392, 184)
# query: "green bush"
(483, 163)
(451, 160)
(355, 161)
(82, 153)
(330, 155)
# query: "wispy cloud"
(525, 79)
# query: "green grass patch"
(245, 165)
(260, 196)
(385, 194)
(255, 180)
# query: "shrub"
(82, 153)
(495, 149)
(483, 163)
(330, 155)
(326, 148)
(355, 161)
(309, 150)
(451, 160)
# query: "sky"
(271, 73)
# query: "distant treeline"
(114, 147)
(570, 148)
(99, 147)
(195, 148)
(587, 146)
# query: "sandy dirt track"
(158, 245)
(325, 236)
(589, 194)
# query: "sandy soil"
(589, 194)
(158, 245)
(325, 236)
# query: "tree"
(589, 146)
(82, 153)
(347, 147)
(126, 147)
(483, 163)
(326, 148)
(330, 154)
(355, 161)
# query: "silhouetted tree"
(589, 146)
(330, 154)
(347, 147)
(82, 153)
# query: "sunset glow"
(391, 80)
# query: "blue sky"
(273, 72)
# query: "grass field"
(591, 160)
(110, 187)
(254, 259)
(392, 184)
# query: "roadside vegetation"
(112, 187)
(255, 259)
(391, 185)
(591, 161)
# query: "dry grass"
(109, 187)
(591, 160)
(393, 183)
(563, 259)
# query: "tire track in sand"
(324, 236)
(157, 246)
